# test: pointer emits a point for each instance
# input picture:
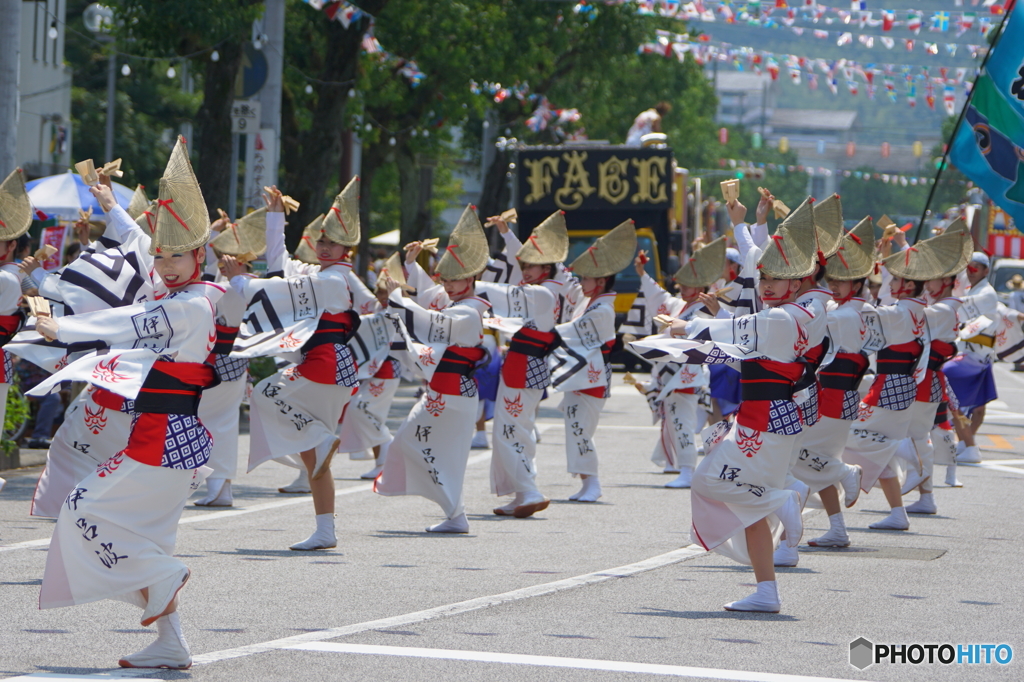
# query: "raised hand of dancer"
(28, 265)
(640, 262)
(710, 302)
(47, 328)
(763, 207)
(231, 268)
(105, 196)
(499, 222)
(412, 251)
(737, 212)
(273, 200)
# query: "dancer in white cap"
(970, 373)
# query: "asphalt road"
(606, 591)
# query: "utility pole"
(270, 95)
(10, 58)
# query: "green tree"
(197, 28)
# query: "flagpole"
(959, 121)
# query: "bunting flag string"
(346, 13)
(544, 115)
(787, 13)
(887, 178)
(802, 69)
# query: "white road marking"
(219, 515)
(560, 662)
(995, 467)
(651, 564)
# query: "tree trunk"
(409, 193)
(495, 194)
(373, 158)
(10, 40)
(310, 172)
(213, 128)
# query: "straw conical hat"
(246, 239)
(15, 208)
(548, 243)
(138, 204)
(609, 255)
(705, 266)
(855, 257)
(147, 218)
(393, 268)
(306, 250)
(466, 253)
(928, 259)
(828, 224)
(790, 253)
(342, 222)
(182, 221)
(959, 226)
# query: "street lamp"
(98, 20)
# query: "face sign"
(179, 269)
(329, 253)
(534, 274)
(593, 286)
(976, 272)
(689, 294)
(458, 289)
(901, 288)
(775, 292)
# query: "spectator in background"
(647, 122)
(1016, 287)
(50, 406)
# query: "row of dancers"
(135, 319)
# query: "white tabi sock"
(924, 505)
(508, 509)
(970, 455)
(218, 494)
(170, 650)
(479, 441)
(896, 520)
(765, 600)
(457, 524)
(590, 491)
(786, 556)
(683, 480)
(300, 485)
(792, 519)
(836, 535)
(951, 480)
(322, 538)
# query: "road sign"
(253, 73)
(245, 116)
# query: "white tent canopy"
(390, 238)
